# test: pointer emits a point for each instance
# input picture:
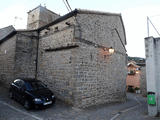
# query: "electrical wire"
(148, 20)
(66, 6)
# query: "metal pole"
(153, 26)
(147, 26)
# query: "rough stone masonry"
(71, 55)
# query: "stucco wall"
(7, 61)
(152, 50)
(143, 81)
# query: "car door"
(16, 88)
(21, 91)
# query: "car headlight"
(37, 100)
(52, 96)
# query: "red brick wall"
(133, 80)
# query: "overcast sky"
(134, 14)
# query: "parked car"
(31, 93)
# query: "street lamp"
(111, 50)
(107, 51)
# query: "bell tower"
(39, 17)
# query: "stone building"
(18, 51)
(39, 17)
(133, 77)
(136, 80)
(73, 55)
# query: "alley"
(134, 109)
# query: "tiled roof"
(133, 63)
(6, 32)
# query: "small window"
(131, 72)
(137, 68)
(21, 83)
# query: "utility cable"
(153, 26)
(66, 5)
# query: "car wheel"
(53, 102)
(27, 105)
(11, 95)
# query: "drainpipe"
(36, 71)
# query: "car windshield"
(36, 85)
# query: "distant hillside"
(139, 61)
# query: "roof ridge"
(97, 12)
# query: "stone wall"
(100, 77)
(18, 56)
(46, 16)
(39, 17)
(26, 55)
(101, 29)
(55, 66)
(33, 19)
(74, 65)
(7, 61)
(71, 56)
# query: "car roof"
(28, 80)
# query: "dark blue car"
(31, 93)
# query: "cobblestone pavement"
(134, 108)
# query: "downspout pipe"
(37, 57)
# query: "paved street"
(134, 109)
